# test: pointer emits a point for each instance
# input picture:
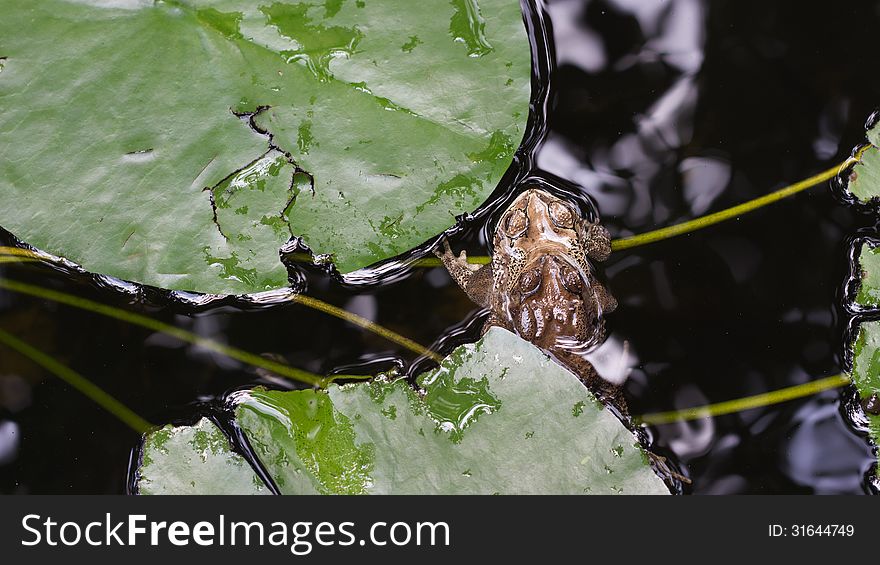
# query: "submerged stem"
(711, 219)
(155, 325)
(79, 382)
(749, 402)
(395, 337)
(428, 262)
(24, 255)
(19, 252)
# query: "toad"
(540, 283)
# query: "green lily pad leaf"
(869, 284)
(864, 179)
(181, 143)
(496, 417)
(194, 460)
(866, 369)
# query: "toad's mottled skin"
(540, 283)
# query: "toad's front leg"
(474, 280)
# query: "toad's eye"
(516, 223)
(561, 215)
(572, 280)
(529, 281)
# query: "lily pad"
(864, 179)
(866, 369)
(497, 416)
(869, 283)
(194, 460)
(181, 143)
(864, 184)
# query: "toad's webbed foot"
(663, 468)
(475, 280)
(597, 240)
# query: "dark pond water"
(658, 112)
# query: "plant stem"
(749, 402)
(155, 325)
(24, 255)
(79, 382)
(366, 324)
(711, 219)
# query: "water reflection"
(820, 446)
(10, 436)
(667, 50)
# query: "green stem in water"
(22, 254)
(395, 337)
(429, 262)
(79, 382)
(712, 219)
(747, 403)
(284, 370)
(155, 325)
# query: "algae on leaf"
(194, 460)
(497, 416)
(180, 143)
(305, 443)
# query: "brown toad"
(540, 283)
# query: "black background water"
(659, 112)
